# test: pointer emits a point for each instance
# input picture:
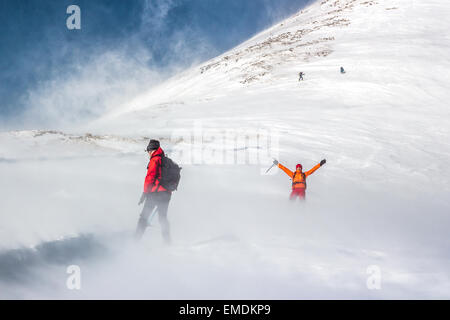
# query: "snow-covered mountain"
(381, 199)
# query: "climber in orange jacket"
(299, 178)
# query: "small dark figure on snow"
(342, 70)
(300, 76)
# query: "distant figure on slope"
(300, 76)
(342, 70)
(298, 178)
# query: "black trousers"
(160, 201)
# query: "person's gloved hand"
(323, 162)
(142, 199)
(275, 162)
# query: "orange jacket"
(298, 179)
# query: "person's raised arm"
(317, 166)
(286, 170)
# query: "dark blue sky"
(36, 47)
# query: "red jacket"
(151, 183)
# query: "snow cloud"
(58, 78)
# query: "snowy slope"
(388, 108)
(382, 198)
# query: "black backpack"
(170, 174)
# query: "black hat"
(153, 145)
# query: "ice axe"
(149, 221)
(273, 165)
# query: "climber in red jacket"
(154, 195)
